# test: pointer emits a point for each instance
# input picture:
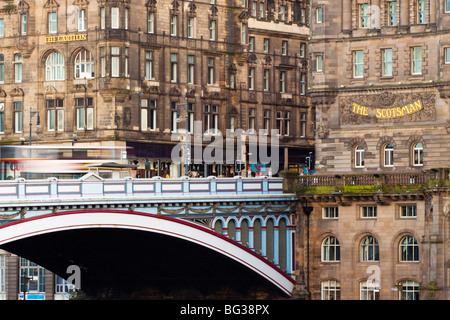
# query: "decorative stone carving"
(374, 103)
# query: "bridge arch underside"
(141, 256)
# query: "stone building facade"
(378, 206)
(129, 73)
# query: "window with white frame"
(266, 45)
(302, 124)
(251, 78)
(331, 250)
(359, 156)
(35, 277)
(211, 71)
(387, 62)
(84, 108)
(52, 22)
(115, 18)
(84, 65)
(408, 211)
(126, 18)
(358, 64)
(282, 13)
(23, 24)
(416, 60)
(2, 28)
(173, 67)
(211, 119)
(319, 62)
(251, 44)
(190, 115)
(392, 13)
(148, 115)
(266, 79)
(63, 286)
(148, 65)
(409, 249)
(388, 155)
(369, 290)
(54, 67)
(190, 27)
(82, 20)
(447, 55)
(150, 22)
(266, 115)
(18, 115)
(330, 212)
(417, 154)
(409, 290)
(303, 83)
(55, 114)
(364, 15)
(282, 81)
(18, 68)
(244, 33)
(368, 212)
(102, 18)
(190, 69)
(422, 11)
(284, 48)
(212, 30)
(2, 273)
(302, 50)
(447, 6)
(283, 120)
(2, 68)
(319, 15)
(173, 25)
(115, 62)
(251, 120)
(369, 249)
(126, 62)
(330, 290)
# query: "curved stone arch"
(232, 234)
(358, 238)
(356, 142)
(395, 242)
(223, 224)
(139, 221)
(414, 139)
(46, 53)
(384, 141)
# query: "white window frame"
(368, 212)
(359, 156)
(330, 250)
(55, 67)
(115, 62)
(369, 290)
(115, 18)
(388, 155)
(407, 211)
(52, 18)
(18, 68)
(416, 60)
(330, 212)
(330, 290)
(387, 67)
(358, 64)
(81, 20)
(417, 155)
(84, 65)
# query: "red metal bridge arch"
(50, 224)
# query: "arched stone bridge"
(201, 235)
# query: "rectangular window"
(302, 124)
(266, 121)
(408, 211)
(2, 28)
(55, 115)
(446, 55)
(364, 15)
(210, 119)
(282, 81)
(319, 61)
(115, 62)
(284, 48)
(251, 44)
(422, 11)
(369, 212)
(102, 62)
(283, 120)
(173, 25)
(191, 69)
(447, 5)
(302, 50)
(150, 22)
(126, 62)
(175, 116)
(18, 117)
(266, 78)
(190, 27)
(282, 13)
(387, 62)
(2, 68)
(2, 117)
(127, 12)
(251, 121)
(115, 18)
(18, 68)
(358, 64)
(392, 13)
(148, 115)
(302, 84)
(261, 10)
(330, 212)
(253, 12)
(266, 45)
(84, 113)
(148, 65)
(244, 33)
(210, 71)
(416, 60)
(35, 275)
(318, 15)
(23, 24)
(173, 67)
(212, 30)
(102, 18)
(81, 20)
(52, 22)
(190, 110)
(251, 78)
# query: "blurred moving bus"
(63, 162)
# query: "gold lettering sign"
(388, 113)
(72, 37)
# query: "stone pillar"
(404, 13)
(433, 13)
(346, 16)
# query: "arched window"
(410, 290)
(84, 65)
(330, 249)
(54, 67)
(409, 249)
(389, 155)
(417, 154)
(369, 249)
(330, 290)
(359, 156)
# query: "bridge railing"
(92, 185)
